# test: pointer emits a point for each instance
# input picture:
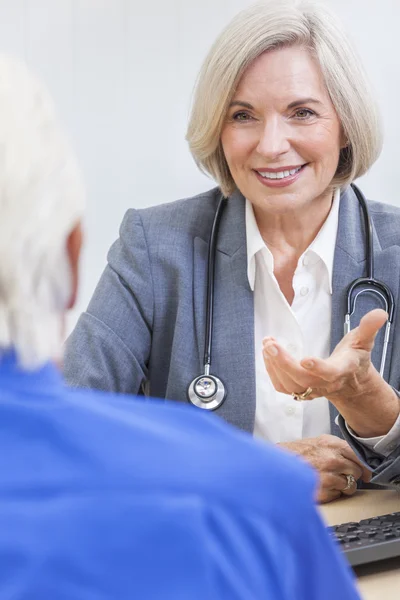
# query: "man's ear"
(74, 244)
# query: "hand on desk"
(334, 459)
(347, 378)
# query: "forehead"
(282, 73)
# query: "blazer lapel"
(350, 264)
(233, 324)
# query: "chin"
(281, 201)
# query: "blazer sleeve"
(385, 469)
(110, 346)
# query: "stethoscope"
(207, 391)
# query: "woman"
(284, 121)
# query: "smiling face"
(282, 137)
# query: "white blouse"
(303, 329)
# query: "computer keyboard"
(369, 540)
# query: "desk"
(382, 580)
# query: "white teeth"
(279, 174)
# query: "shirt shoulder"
(147, 447)
(195, 452)
(173, 473)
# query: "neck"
(288, 235)
(291, 233)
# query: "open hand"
(342, 374)
(347, 378)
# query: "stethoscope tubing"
(358, 287)
(368, 284)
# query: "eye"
(304, 113)
(241, 116)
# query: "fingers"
(335, 462)
(316, 373)
(331, 486)
(354, 466)
(350, 485)
(281, 366)
(325, 375)
(328, 370)
(369, 326)
(348, 467)
(363, 338)
(324, 495)
(281, 381)
(366, 475)
(275, 375)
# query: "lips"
(279, 174)
(280, 177)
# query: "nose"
(274, 139)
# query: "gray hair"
(41, 200)
(275, 24)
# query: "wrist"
(371, 408)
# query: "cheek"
(331, 140)
(235, 145)
(324, 147)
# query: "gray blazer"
(145, 322)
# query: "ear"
(344, 141)
(74, 244)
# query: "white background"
(122, 73)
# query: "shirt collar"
(324, 244)
(254, 241)
(322, 247)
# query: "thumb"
(366, 475)
(369, 326)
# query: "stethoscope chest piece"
(207, 391)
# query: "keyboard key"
(367, 534)
(348, 527)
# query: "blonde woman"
(283, 120)
(113, 498)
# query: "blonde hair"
(41, 200)
(269, 25)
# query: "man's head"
(41, 205)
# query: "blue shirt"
(107, 497)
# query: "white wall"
(122, 72)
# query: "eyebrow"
(299, 102)
(242, 104)
(304, 101)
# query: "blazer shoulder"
(192, 215)
(386, 220)
(390, 210)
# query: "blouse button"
(304, 291)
